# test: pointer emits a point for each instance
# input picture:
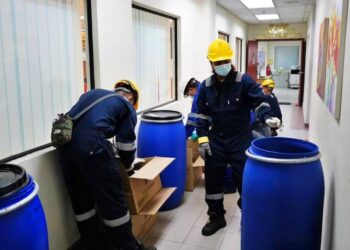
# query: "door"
(302, 75)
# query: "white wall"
(309, 56)
(333, 138)
(236, 28)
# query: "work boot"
(142, 247)
(214, 223)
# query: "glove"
(204, 149)
(273, 122)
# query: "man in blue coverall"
(223, 126)
(192, 89)
(91, 171)
(260, 129)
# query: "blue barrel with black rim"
(162, 133)
(22, 218)
(283, 192)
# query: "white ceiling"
(289, 11)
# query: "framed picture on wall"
(322, 58)
(335, 57)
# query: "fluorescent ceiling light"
(267, 17)
(256, 4)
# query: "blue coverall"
(192, 117)
(92, 173)
(260, 129)
(191, 124)
(224, 117)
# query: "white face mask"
(223, 69)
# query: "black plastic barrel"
(162, 133)
(22, 218)
(283, 192)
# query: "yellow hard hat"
(268, 83)
(132, 86)
(219, 50)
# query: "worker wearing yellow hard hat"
(267, 87)
(225, 101)
(268, 83)
(90, 169)
(129, 87)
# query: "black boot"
(142, 247)
(214, 223)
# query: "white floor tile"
(165, 245)
(286, 95)
(170, 231)
(195, 238)
(230, 203)
(193, 203)
(234, 226)
(237, 213)
(180, 216)
(189, 247)
(232, 241)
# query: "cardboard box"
(193, 145)
(199, 163)
(193, 172)
(142, 225)
(193, 177)
(143, 190)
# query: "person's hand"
(273, 122)
(204, 149)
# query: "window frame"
(241, 53)
(225, 35)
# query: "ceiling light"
(256, 4)
(267, 17)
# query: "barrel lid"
(12, 177)
(161, 115)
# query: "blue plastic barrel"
(22, 218)
(283, 192)
(162, 133)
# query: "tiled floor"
(180, 228)
(287, 95)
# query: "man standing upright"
(223, 125)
